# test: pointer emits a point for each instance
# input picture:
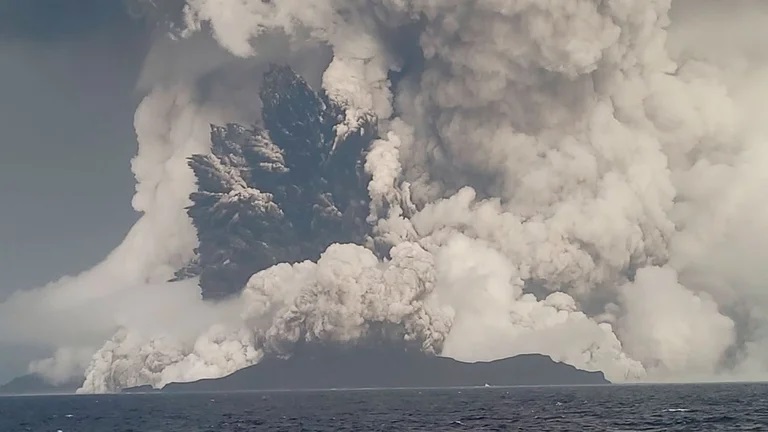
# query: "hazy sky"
(67, 78)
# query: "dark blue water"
(722, 407)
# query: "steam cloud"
(581, 179)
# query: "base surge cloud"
(481, 179)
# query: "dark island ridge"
(371, 368)
(360, 369)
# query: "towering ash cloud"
(481, 178)
(283, 194)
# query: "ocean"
(711, 407)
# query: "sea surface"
(713, 407)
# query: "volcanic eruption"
(476, 179)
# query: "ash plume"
(479, 178)
(279, 194)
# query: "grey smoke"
(569, 178)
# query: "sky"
(68, 74)
(67, 83)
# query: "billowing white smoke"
(553, 177)
(686, 332)
(332, 300)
